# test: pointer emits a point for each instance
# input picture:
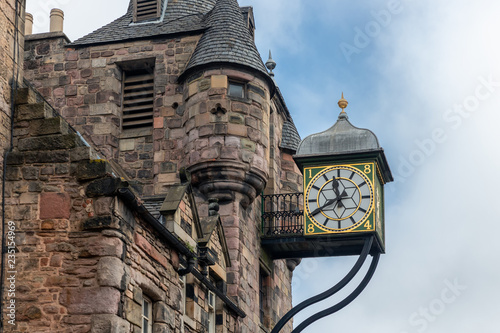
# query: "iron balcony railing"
(282, 214)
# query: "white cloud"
(278, 24)
(445, 223)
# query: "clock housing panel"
(344, 200)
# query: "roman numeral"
(363, 210)
(352, 175)
(326, 178)
(315, 187)
(352, 220)
(366, 196)
(362, 184)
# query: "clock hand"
(339, 199)
(329, 202)
(335, 186)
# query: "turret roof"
(227, 40)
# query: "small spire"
(270, 64)
(343, 103)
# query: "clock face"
(339, 198)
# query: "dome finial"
(343, 103)
(270, 64)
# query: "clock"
(339, 198)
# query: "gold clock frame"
(368, 223)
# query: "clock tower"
(345, 171)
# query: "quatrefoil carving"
(218, 110)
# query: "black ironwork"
(346, 301)
(313, 300)
(282, 214)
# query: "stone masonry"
(11, 69)
(85, 257)
(89, 253)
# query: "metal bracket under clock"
(332, 291)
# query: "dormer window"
(146, 10)
(249, 19)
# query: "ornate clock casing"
(344, 171)
(344, 200)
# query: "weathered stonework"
(87, 260)
(11, 71)
(84, 85)
(91, 239)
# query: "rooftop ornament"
(270, 64)
(343, 103)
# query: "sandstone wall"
(225, 142)
(85, 86)
(11, 69)
(85, 260)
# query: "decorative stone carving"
(220, 179)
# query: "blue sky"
(425, 77)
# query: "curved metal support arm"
(330, 292)
(343, 303)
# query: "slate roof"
(290, 138)
(227, 40)
(153, 205)
(179, 16)
(226, 37)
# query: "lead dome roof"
(343, 137)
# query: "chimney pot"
(28, 24)
(56, 20)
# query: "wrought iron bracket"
(332, 291)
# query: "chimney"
(56, 20)
(28, 24)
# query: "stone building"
(11, 69)
(139, 156)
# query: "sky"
(424, 76)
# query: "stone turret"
(227, 96)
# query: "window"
(138, 99)
(237, 89)
(188, 304)
(211, 312)
(147, 315)
(182, 281)
(146, 9)
(263, 277)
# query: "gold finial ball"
(343, 103)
